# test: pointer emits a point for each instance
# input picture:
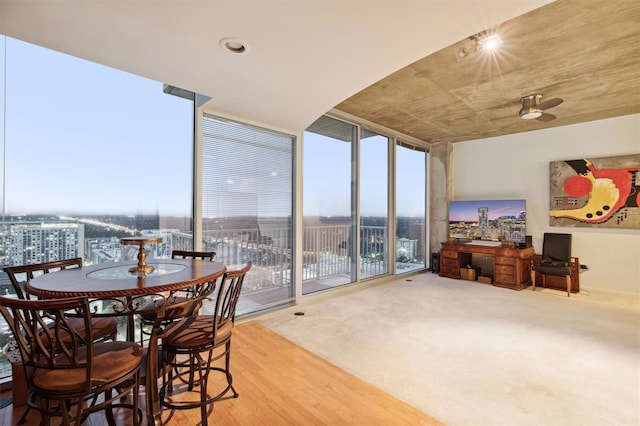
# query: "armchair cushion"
(561, 270)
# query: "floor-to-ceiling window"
(347, 195)
(89, 155)
(328, 182)
(410, 207)
(374, 204)
(247, 207)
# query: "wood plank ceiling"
(585, 52)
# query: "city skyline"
(467, 211)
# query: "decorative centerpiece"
(142, 268)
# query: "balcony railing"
(326, 258)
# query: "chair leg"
(80, 416)
(203, 403)
(111, 421)
(46, 418)
(533, 280)
(23, 419)
(228, 371)
(568, 279)
(191, 373)
(136, 400)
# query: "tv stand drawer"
(500, 260)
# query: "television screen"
(493, 220)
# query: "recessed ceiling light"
(491, 42)
(233, 45)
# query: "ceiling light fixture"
(233, 45)
(491, 42)
(532, 108)
(482, 41)
(530, 114)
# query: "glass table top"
(122, 271)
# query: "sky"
(327, 184)
(82, 138)
(90, 138)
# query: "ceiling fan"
(533, 109)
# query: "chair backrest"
(186, 254)
(46, 338)
(556, 247)
(19, 275)
(228, 295)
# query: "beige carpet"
(473, 354)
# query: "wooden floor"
(281, 383)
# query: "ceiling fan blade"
(546, 117)
(550, 103)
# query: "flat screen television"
(489, 220)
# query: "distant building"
(102, 250)
(27, 243)
(512, 228)
(483, 220)
(406, 248)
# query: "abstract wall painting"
(595, 192)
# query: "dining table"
(116, 289)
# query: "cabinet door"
(450, 267)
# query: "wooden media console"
(511, 265)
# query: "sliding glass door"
(374, 204)
(329, 251)
(411, 179)
(347, 186)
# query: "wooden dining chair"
(192, 345)
(154, 356)
(103, 328)
(147, 312)
(71, 375)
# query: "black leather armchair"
(556, 259)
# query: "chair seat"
(148, 311)
(195, 332)
(560, 271)
(100, 326)
(111, 361)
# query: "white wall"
(517, 166)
